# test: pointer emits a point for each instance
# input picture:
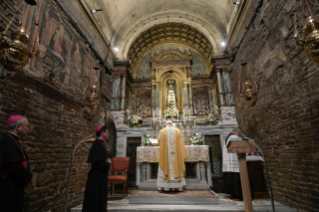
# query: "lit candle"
(246, 83)
(22, 29)
(94, 86)
(310, 19)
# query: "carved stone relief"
(201, 101)
(143, 103)
(227, 115)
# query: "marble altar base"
(191, 184)
(186, 197)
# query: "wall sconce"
(13, 51)
(250, 96)
(311, 44)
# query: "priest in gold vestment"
(171, 168)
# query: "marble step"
(186, 197)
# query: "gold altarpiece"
(170, 71)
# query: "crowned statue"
(171, 99)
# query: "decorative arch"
(213, 33)
(169, 33)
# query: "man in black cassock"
(95, 198)
(14, 165)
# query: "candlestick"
(183, 113)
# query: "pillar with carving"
(118, 104)
(227, 109)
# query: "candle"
(153, 113)
(189, 114)
(164, 114)
(183, 113)
(246, 82)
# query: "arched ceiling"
(175, 33)
(125, 20)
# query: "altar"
(196, 154)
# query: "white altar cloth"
(150, 154)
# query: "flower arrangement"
(196, 139)
(147, 140)
(135, 121)
(211, 119)
(171, 114)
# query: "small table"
(198, 154)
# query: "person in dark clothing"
(95, 197)
(14, 165)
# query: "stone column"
(153, 98)
(157, 99)
(191, 99)
(118, 92)
(202, 172)
(220, 87)
(185, 95)
(122, 97)
(228, 94)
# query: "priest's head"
(169, 122)
(102, 132)
(18, 125)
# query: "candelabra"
(154, 128)
(190, 128)
(185, 137)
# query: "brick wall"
(285, 120)
(52, 94)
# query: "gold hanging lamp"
(14, 53)
(310, 44)
(250, 96)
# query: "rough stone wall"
(285, 120)
(58, 112)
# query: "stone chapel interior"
(209, 66)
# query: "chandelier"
(14, 53)
(310, 44)
(249, 95)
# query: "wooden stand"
(241, 148)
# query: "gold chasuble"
(171, 160)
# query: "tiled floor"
(260, 205)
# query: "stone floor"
(259, 205)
